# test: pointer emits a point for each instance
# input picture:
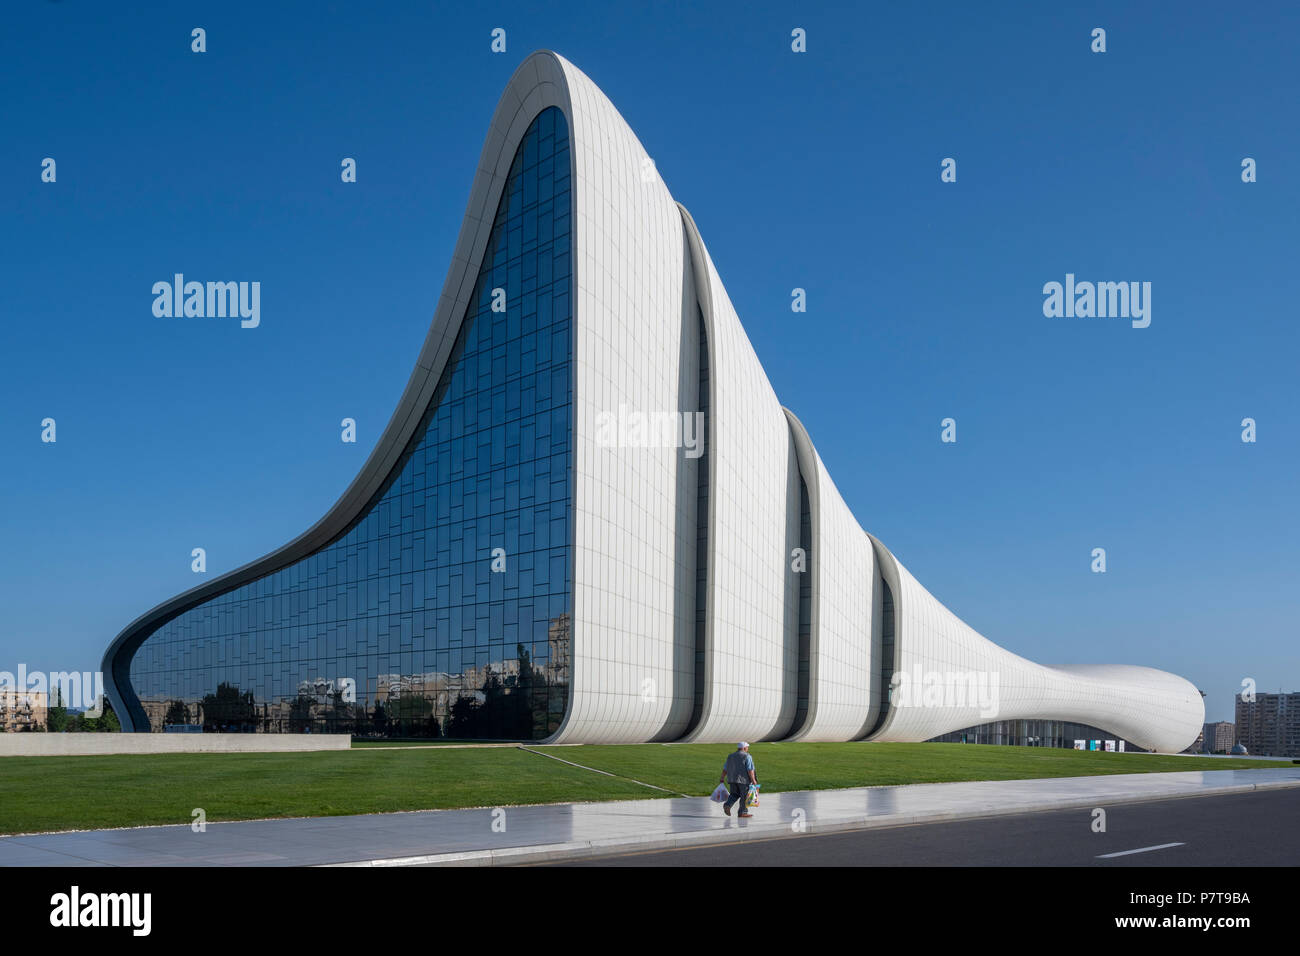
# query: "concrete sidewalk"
(569, 831)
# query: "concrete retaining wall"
(50, 745)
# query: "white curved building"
(524, 555)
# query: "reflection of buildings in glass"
(322, 691)
(442, 690)
(558, 638)
(1031, 733)
(22, 710)
(156, 709)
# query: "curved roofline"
(539, 79)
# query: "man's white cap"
(742, 745)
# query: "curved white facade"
(1151, 708)
(644, 275)
(707, 604)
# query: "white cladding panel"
(633, 570)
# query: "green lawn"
(62, 793)
(694, 768)
(82, 793)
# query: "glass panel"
(445, 610)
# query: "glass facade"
(446, 608)
(1036, 733)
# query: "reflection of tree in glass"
(177, 713)
(368, 723)
(413, 715)
(229, 710)
(341, 717)
(464, 718)
(300, 713)
(532, 688)
(512, 709)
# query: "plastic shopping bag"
(720, 794)
(753, 794)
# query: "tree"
(56, 719)
(177, 713)
(109, 721)
(106, 722)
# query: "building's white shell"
(644, 278)
(648, 663)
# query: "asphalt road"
(1244, 829)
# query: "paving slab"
(512, 835)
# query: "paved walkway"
(566, 831)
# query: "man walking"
(738, 774)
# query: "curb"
(585, 849)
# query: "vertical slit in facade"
(702, 533)
(886, 653)
(805, 607)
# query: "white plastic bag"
(720, 794)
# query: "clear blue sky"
(818, 170)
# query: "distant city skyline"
(1269, 724)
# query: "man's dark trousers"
(739, 793)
